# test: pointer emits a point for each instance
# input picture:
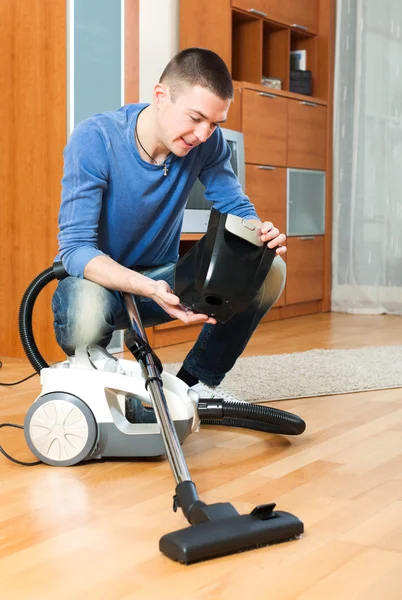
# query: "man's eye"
(195, 119)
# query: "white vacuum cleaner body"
(80, 413)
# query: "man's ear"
(161, 95)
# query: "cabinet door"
(207, 26)
(306, 143)
(266, 188)
(305, 269)
(303, 13)
(290, 12)
(253, 6)
(305, 202)
(264, 128)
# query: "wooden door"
(207, 25)
(305, 269)
(293, 12)
(264, 128)
(253, 6)
(306, 141)
(266, 188)
(299, 12)
(34, 131)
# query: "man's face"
(191, 119)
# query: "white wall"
(159, 41)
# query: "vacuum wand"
(215, 529)
(136, 340)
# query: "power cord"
(15, 460)
(9, 384)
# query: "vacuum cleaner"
(81, 412)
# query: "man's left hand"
(275, 239)
(272, 235)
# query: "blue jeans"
(87, 313)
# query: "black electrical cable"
(18, 462)
(10, 383)
(15, 460)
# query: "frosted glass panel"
(305, 202)
(97, 57)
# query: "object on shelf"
(271, 82)
(301, 82)
(298, 60)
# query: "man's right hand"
(170, 303)
(107, 272)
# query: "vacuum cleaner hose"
(250, 416)
(25, 317)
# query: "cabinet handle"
(266, 95)
(266, 167)
(309, 103)
(257, 12)
(299, 26)
(307, 238)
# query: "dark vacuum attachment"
(222, 273)
(218, 529)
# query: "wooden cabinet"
(307, 135)
(265, 128)
(284, 132)
(255, 37)
(305, 269)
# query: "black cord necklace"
(164, 164)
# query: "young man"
(127, 176)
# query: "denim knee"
(84, 313)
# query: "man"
(127, 176)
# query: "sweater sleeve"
(223, 188)
(84, 182)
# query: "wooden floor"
(92, 531)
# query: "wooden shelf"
(246, 46)
(275, 52)
(284, 93)
(190, 237)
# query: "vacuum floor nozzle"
(219, 537)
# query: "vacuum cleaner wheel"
(60, 429)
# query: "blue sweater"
(115, 203)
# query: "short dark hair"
(198, 66)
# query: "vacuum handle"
(136, 337)
(134, 317)
(151, 367)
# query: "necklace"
(164, 164)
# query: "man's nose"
(203, 132)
